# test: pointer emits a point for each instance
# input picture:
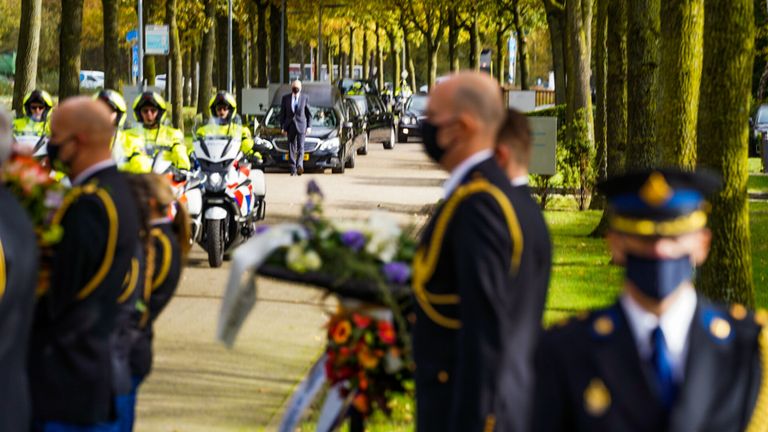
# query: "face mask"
(54, 150)
(295, 90)
(658, 278)
(429, 138)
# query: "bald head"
(83, 130)
(470, 105)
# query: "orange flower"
(341, 331)
(360, 402)
(386, 332)
(367, 359)
(363, 381)
(361, 321)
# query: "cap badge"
(597, 399)
(656, 191)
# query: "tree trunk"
(253, 31)
(329, 61)
(351, 52)
(556, 24)
(238, 62)
(366, 71)
(70, 36)
(723, 146)
(150, 68)
(175, 76)
(221, 52)
(409, 60)
(453, 41)
(579, 108)
(601, 102)
(474, 42)
(261, 45)
(432, 47)
(522, 48)
(193, 64)
(680, 58)
(642, 78)
(206, 59)
(342, 58)
(187, 68)
(379, 69)
(25, 78)
(395, 54)
(274, 43)
(111, 25)
(498, 62)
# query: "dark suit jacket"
(480, 280)
(70, 356)
(591, 378)
(167, 272)
(18, 279)
(300, 119)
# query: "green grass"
(582, 279)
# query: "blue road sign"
(132, 35)
(135, 61)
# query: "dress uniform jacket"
(590, 376)
(18, 277)
(157, 294)
(480, 279)
(122, 338)
(70, 355)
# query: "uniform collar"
(458, 173)
(675, 323)
(91, 170)
(520, 181)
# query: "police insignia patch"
(656, 191)
(597, 399)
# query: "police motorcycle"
(233, 191)
(187, 187)
(29, 141)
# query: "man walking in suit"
(662, 358)
(295, 120)
(18, 277)
(70, 359)
(477, 315)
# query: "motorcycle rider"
(356, 89)
(127, 151)
(223, 108)
(149, 109)
(37, 108)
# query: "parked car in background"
(160, 81)
(759, 130)
(333, 140)
(90, 79)
(357, 117)
(380, 122)
(410, 120)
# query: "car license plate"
(306, 157)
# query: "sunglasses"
(36, 107)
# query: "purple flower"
(261, 229)
(314, 189)
(397, 272)
(354, 240)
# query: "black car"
(759, 132)
(380, 122)
(332, 140)
(359, 121)
(413, 114)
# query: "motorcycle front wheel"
(215, 242)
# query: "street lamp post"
(229, 47)
(141, 45)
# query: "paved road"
(196, 383)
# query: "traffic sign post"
(135, 61)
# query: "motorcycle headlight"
(406, 120)
(215, 182)
(329, 144)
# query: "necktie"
(295, 103)
(662, 365)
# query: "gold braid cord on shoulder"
(109, 253)
(759, 420)
(162, 274)
(3, 277)
(130, 284)
(424, 266)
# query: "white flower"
(384, 236)
(301, 260)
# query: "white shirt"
(520, 181)
(463, 168)
(295, 101)
(675, 324)
(83, 176)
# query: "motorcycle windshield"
(217, 140)
(30, 140)
(161, 162)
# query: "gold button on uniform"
(597, 398)
(603, 326)
(738, 311)
(720, 328)
(442, 376)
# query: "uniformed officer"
(662, 358)
(223, 108)
(69, 357)
(150, 109)
(37, 108)
(18, 278)
(166, 249)
(478, 310)
(127, 151)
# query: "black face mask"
(429, 138)
(53, 150)
(658, 278)
(295, 90)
